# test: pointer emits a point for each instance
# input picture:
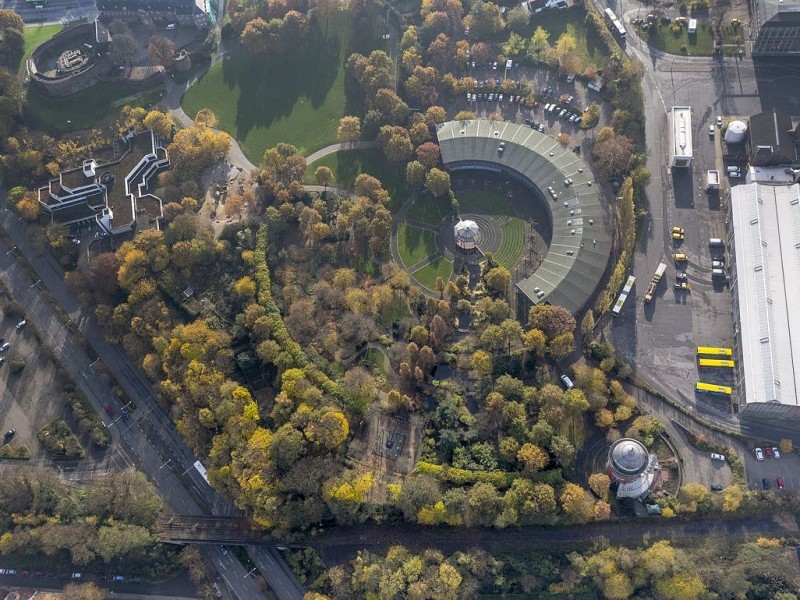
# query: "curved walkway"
(323, 152)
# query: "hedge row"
(279, 331)
(499, 479)
(88, 420)
(21, 453)
(627, 227)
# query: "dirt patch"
(388, 447)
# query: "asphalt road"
(148, 438)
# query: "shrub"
(16, 365)
(88, 420)
(58, 439)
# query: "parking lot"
(571, 97)
(787, 467)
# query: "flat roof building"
(581, 242)
(681, 142)
(776, 28)
(765, 284)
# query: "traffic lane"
(175, 588)
(787, 467)
(268, 559)
(138, 389)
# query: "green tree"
(532, 458)
(517, 20)
(600, 483)
(415, 174)
(323, 176)
(561, 346)
(681, 586)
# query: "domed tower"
(632, 468)
(466, 235)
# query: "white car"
(776, 454)
(5, 347)
(759, 454)
(719, 457)
(567, 382)
(719, 121)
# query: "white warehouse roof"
(766, 221)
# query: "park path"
(323, 152)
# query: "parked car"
(776, 454)
(716, 487)
(715, 456)
(5, 347)
(567, 382)
(768, 451)
(759, 454)
(711, 131)
(118, 578)
(680, 257)
(719, 121)
(765, 483)
(678, 233)
(109, 410)
(779, 481)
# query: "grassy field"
(512, 242)
(678, 41)
(441, 267)
(428, 209)
(35, 36)
(374, 358)
(298, 99)
(414, 244)
(85, 109)
(588, 45)
(349, 164)
(489, 203)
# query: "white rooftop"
(766, 225)
(682, 131)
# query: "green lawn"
(35, 36)
(85, 109)
(511, 245)
(374, 358)
(414, 244)
(441, 267)
(487, 202)
(588, 45)
(428, 209)
(297, 99)
(676, 40)
(349, 164)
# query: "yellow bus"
(712, 388)
(716, 362)
(709, 351)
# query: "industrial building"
(776, 28)
(681, 142)
(580, 246)
(633, 469)
(764, 248)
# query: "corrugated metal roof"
(766, 221)
(581, 242)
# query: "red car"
(779, 481)
(768, 451)
(109, 410)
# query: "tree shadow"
(270, 88)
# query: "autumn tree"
(498, 279)
(576, 502)
(123, 47)
(323, 176)
(349, 129)
(539, 41)
(82, 591)
(551, 320)
(373, 72)
(600, 483)
(161, 50)
(437, 182)
(429, 154)
(518, 18)
(160, 123)
(486, 19)
(612, 152)
(532, 458)
(396, 143)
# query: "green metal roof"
(581, 242)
